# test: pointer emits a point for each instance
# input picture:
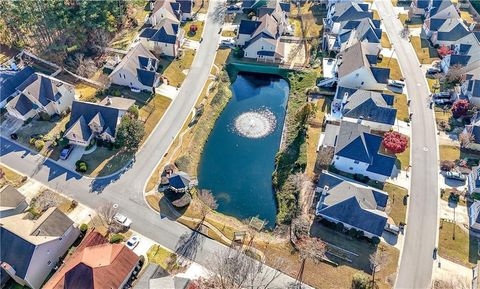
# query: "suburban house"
(167, 9)
(165, 38)
(260, 38)
(444, 31)
(95, 264)
(371, 108)
(10, 80)
(353, 204)
(474, 129)
(355, 67)
(418, 8)
(345, 11)
(12, 202)
(474, 217)
(464, 53)
(40, 93)
(34, 246)
(473, 181)
(96, 120)
(470, 88)
(441, 9)
(155, 277)
(357, 151)
(137, 70)
(347, 33)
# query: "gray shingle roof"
(352, 203)
(17, 254)
(22, 104)
(10, 197)
(10, 80)
(371, 106)
(43, 88)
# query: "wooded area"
(62, 29)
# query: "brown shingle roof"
(96, 264)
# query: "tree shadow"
(188, 244)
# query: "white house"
(447, 32)
(357, 151)
(137, 70)
(164, 9)
(32, 248)
(340, 11)
(40, 93)
(165, 39)
(96, 120)
(470, 88)
(441, 9)
(465, 53)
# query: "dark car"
(455, 176)
(66, 152)
(14, 136)
(433, 71)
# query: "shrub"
(81, 166)
(395, 142)
(447, 165)
(352, 232)
(117, 92)
(32, 141)
(116, 238)
(375, 240)
(460, 108)
(339, 227)
(361, 178)
(39, 144)
(361, 281)
(83, 228)
(44, 116)
(134, 111)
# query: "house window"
(350, 168)
(356, 162)
(49, 262)
(363, 82)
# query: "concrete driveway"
(74, 156)
(10, 125)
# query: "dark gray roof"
(10, 80)
(43, 88)
(166, 33)
(452, 30)
(10, 197)
(52, 224)
(179, 180)
(22, 104)
(347, 10)
(185, 5)
(352, 203)
(248, 26)
(371, 106)
(18, 253)
(381, 74)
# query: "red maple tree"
(395, 142)
(460, 108)
(444, 51)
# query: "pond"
(238, 160)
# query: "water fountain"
(255, 123)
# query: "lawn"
(228, 33)
(124, 39)
(425, 54)
(10, 177)
(392, 63)
(376, 16)
(385, 41)
(466, 16)
(450, 153)
(400, 103)
(312, 14)
(397, 210)
(104, 161)
(461, 250)
(313, 133)
(173, 69)
(445, 196)
(159, 255)
(197, 35)
(86, 92)
(433, 85)
(403, 159)
(152, 112)
(442, 114)
(326, 276)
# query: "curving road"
(126, 188)
(416, 261)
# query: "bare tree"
(299, 181)
(324, 157)
(378, 259)
(232, 269)
(300, 228)
(209, 202)
(454, 283)
(310, 248)
(454, 74)
(466, 137)
(106, 212)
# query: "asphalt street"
(416, 262)
(126, 188)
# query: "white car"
(122, 220)
(132, 242)
(396, 83)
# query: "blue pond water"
(236, 168)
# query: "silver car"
(122, 220)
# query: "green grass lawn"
(385, 41)
(172, 69)
(400, 104)
(398, 210)
(461, 250)
(452, 153)
(152, 112)
(392, 63)
(161, 256)
(425, 54)
(193, 35)
(228, 33)
(403, 159)
(441, 114)
(104, 161)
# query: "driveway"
(75, 155)
(10, 125)
(421, 232)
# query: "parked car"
(433, 71)
(227, 43)
(14, 136)
(65, 153)
(441, 95)
(392, 229)
(233, 8)
(442, 101)
(455, 176)
(122, 220)
(396, 83)
(132, 242)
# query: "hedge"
(116, 238)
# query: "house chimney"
(360, 119)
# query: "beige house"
(34, 246)
(137, 70)
(96, 120)
(40, 93)
(165, 39)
